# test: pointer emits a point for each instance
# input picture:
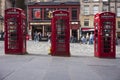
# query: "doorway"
(36, 29)
(74, 34)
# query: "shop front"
(85, 31)
(42, 30)
(75, 31)
(41, 13)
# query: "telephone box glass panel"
(12, 33)
(60, 26)
(107, 37)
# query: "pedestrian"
(40, 36)
(83, 39)
(49, 38)
(118, 41)
(91, 38)
(72, 39)
(36, 36)
(87, 38)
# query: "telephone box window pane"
(12, 33)
(24, 34)
(60, 25)
(107, 44)
(107, 36)
(24, 28)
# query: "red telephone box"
(60, 36)
(105, 35)
(15, 31)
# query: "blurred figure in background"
(91, 38)
(36, 36)
(83, 39)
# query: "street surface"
(76, 49)
(38, 65)
(42, 48)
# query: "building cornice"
(53, 3)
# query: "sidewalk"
(46, 67)
(76, 49)
(28, 67)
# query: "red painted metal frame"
(55, 44)
(105, 35)
(15, 29)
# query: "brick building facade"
(39, 16)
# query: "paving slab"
(30, 67)
(38, 65)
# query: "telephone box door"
(60, 34)
(105, 35)
(11, 36)
(15, 41)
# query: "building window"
(105, 8)
(95, 9)
(85, 0)
(86, 22)
(48, 13)
(86, 10)
(95, 0)
(104, 0)
(74, 14)
(118, 0)
(118, 12)
(113, 9)
(37, 13)
(31, 0)
(118, 24)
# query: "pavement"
(38, 65)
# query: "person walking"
(91, 38)
(49, 38)
(87, 38)
(39, 35)
(83, 39)
(36, 36)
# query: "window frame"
(118, 12)
(118, 24)
(33, 13)
(73, 12)
(86, 22)
(95, 9)
(48, 13)
(86, 10)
